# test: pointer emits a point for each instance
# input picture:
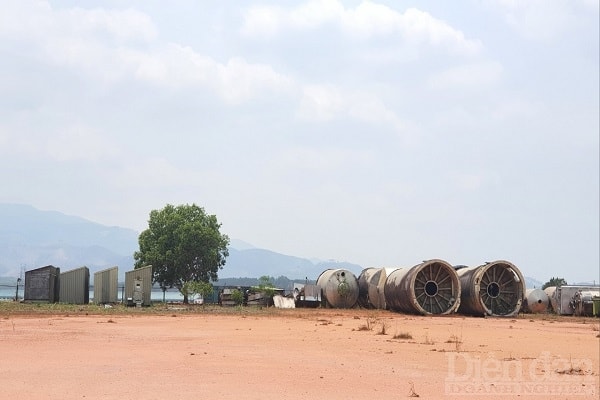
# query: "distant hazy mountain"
(31, 238)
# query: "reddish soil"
(301, 353)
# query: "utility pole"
(17, 291)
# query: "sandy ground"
(301, 353)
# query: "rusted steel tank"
(431, 287)
(371, 286)
(494, 288)
(339, 288)
(536, 301)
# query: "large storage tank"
(371, 287)
(551, 293)
(42, 284)
(494, 288)
(536, 301)
(431, 287)
(75, 286)
(339, 288)
(105, 286)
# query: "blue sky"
(380, 133)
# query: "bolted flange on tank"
(494, 288)
(431, 287)
(339, 288)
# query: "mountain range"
(32, 238)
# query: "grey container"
(138, 286)
(339, 288)
(431, 287)
(42, 284)
(75, 286)
(494, 288)
(106, 286)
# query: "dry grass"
(403, 335)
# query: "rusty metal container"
(494, 288)
(371, 287)
(431, 287)
(536, 301)
(339, 288)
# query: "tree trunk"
(185, 299)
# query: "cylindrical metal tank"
(551, 293)
(431, 287)
(371, 287)
(339, 288)
(494, 288)
(536, 301)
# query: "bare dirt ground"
(298, 353)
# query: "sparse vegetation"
(457, 340)
(403, 335)
(383, 330)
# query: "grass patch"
(403, 335)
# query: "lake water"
(7, 292)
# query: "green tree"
(267, 288)
(192, 288)
(183, 244)
(237, 296)
(556, 281)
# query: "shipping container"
(42, 284)
(106, 286)
(75, 286)
(138, 286)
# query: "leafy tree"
(192, 288)
(237, 296)
(267, 288)
(182, 244)
(554, 282)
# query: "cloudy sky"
(376, 132)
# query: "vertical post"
(17, 291)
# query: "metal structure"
(338, 287)
(105, 286)
(494, 288)
(582, 302)
(42, 284)
(536, 301)
(75, 286)
(566, 301)
(551, 293)
(138, 286)
(431, 287)
(307, 295)
(371, 287)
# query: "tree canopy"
(554, 281)
(182, 244)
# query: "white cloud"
(327, 102)
(545, 19)
(476, 75)
(367, 20)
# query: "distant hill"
(33, 238)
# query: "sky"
(382, 133)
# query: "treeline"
(281, 282)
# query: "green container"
(596, 306)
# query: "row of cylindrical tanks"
(432, 287)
